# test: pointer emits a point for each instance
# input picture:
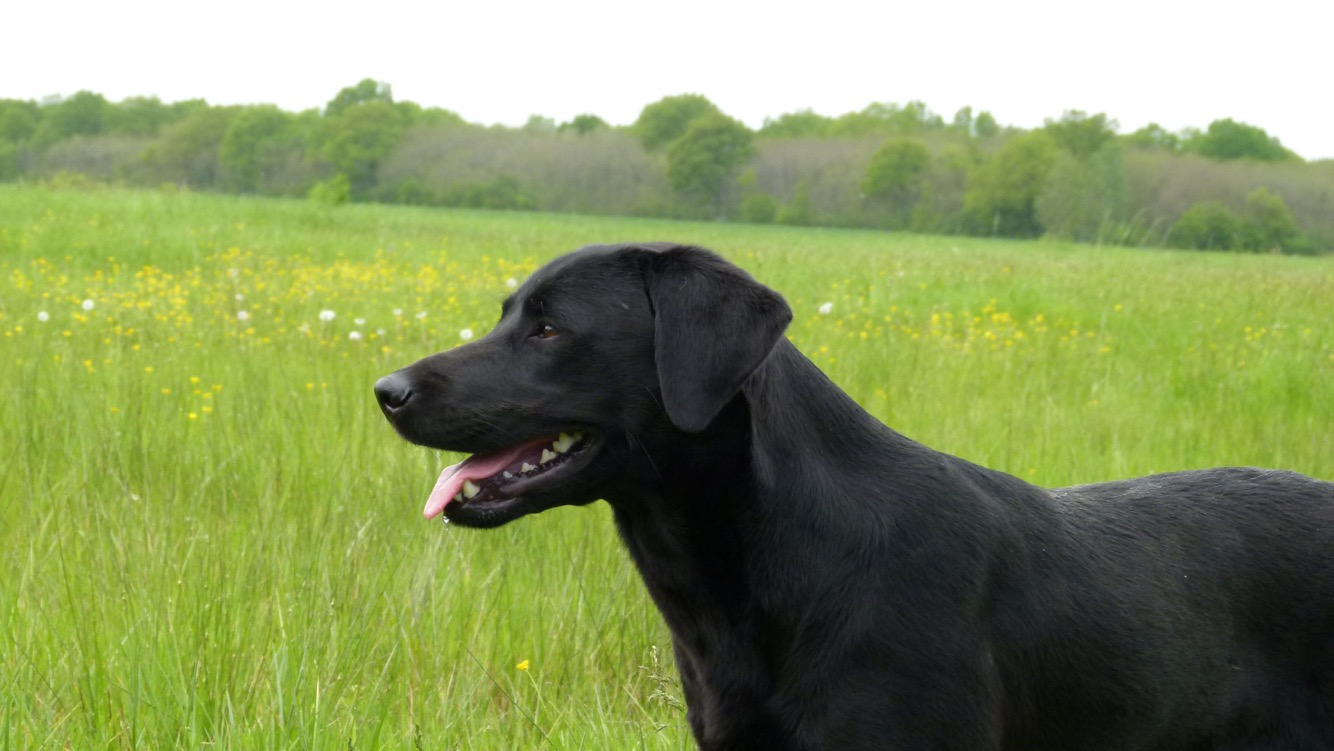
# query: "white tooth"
(547, 456)
(563, 443)
(527, 467)
(507, 474)
(469, 489)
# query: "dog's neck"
(730, 495)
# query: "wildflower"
(327, 315)
(826, 308)
(241, 315)
(43, 316)
(465, 334)
(359, 321)
(421, 314)
(511, 282)
(398, 312)
(193, 416)
(522, 666)
(239, 297)
(354, 335)
(87, 304)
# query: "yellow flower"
(522, 666)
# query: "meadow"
(210, 538)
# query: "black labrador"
(831, 584)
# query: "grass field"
(210, 538)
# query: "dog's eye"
(546, 332)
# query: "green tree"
(141, 116)
(883, 118)
(1208, 225)
(703, 163)
(79, 115)
(985, 126)
(1154, 136)
(366, 90)
(1270, 226)
(803, 124)
(18, 120)
(895, 177)
(540, 124)
(359, 138)
(667, 119)
(799, 210)
(187, 151)
(1228, 139)
(415, 114)
(249, 145)
(1002, 192)
(584, 124)
(1081, 134)
(962, 122)
(1086, 199)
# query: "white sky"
(1179, 63)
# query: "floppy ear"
(713, 326)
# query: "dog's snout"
(393, 392)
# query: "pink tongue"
(473, 468)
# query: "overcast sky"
(1177, 63)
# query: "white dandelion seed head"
(242, 315)
(465, 334)
(421, 314)
(327, 315)
(359, 321)
(398, 312)
(88, 304)
(43, 316)
(354, 335)
(511, 282)
(239, 296)
(379, 332)
(826, 308)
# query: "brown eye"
(547, 332)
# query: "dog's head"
(598, 351)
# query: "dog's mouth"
(508, 473)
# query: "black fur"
(831, 584)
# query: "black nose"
(393, 391)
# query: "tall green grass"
(209, 536)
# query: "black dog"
(830, 584)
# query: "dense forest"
(1228, 186)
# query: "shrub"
(1002, 192)
(759, 208)
(896, 174)
(335, 191)
(1269, 226)
(1207, 226)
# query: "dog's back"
(1193, 609)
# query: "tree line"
(1228, 186)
